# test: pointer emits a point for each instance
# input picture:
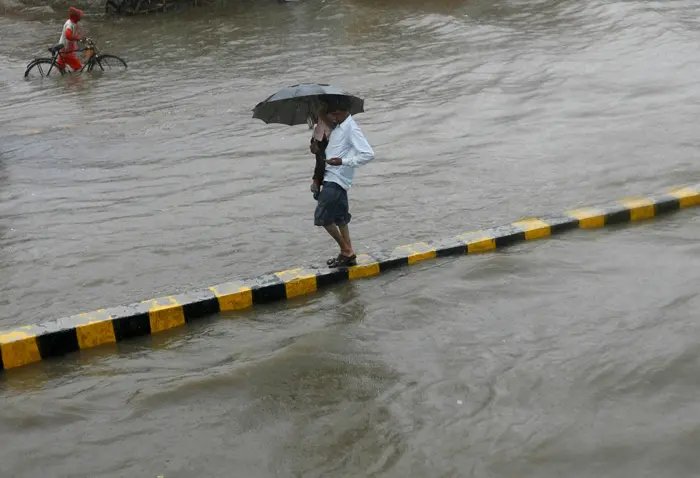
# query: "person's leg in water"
(60, 64)
(73, 61)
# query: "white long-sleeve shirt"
(348, 143)
(68, 46)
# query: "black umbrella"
(292, 105)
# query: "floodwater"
(576, 356)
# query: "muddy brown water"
(575, 356)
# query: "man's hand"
(334, 161)
(313, 148)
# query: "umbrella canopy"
(292, 105)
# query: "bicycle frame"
(90, 47)
(53, 61)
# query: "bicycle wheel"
(40, 67)
(107, 62)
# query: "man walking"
(347, 150)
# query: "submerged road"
(574, 356)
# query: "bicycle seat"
(55, 48)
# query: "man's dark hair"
(337, 103)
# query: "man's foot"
(340, 256)
(343, 261)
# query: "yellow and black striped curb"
(33, 343)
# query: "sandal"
(343, 261)
(333, 259)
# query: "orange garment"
(71, 60)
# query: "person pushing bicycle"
(70, 36)
(65, 53)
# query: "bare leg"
(345, 248)
(345, 232)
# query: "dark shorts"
(332, 207)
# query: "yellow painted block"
(233, 296)
(477, 241)
(687, 196)
(298, 282)
(95, 333)
(420, 251)
(640, 208)
(165, 313)
(588, 218)
(18, 348)
(534, 228)
(366, 267)
(484, 245)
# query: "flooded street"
(573, 357)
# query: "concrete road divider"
(29, 344)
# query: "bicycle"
(104, 61)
